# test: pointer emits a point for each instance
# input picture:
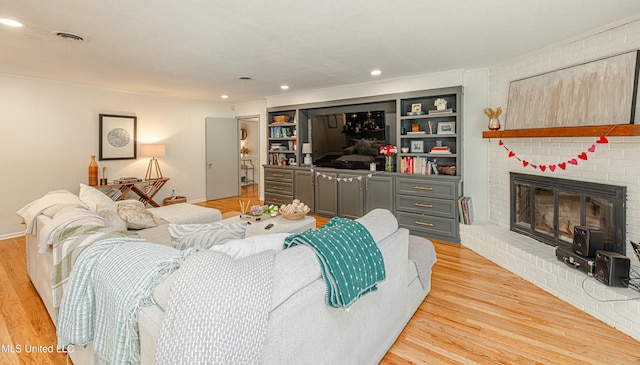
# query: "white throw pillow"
(93, 197)
(253, 245)
(205, 235)
(135, 214)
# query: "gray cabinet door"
(327, 194)
(303, 188)
(351, 196)
(379, 193)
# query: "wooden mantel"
(587, 131)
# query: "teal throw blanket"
(351, 262)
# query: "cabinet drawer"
(278, 175)
(278, 187)
(430, 206)
(277, 199)
(428, 187)
(430, 225)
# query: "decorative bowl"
(293, 216)
(281, 118)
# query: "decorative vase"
(93, 172)
(415, 128)
(494, 124)
(389, 163)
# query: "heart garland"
(562, 165)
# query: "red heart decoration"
(500, 143)
(552, 168)
(511, 154)
(525, 163)
(602, 139)
(562, 165)
(573, 161)
(543, 167)
(592, 148)
(534, 166)
(582, 156)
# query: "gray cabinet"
(378, 193)
(351, 195)
(428, 206)
(303, 186)
(278, 186)
(326, 193)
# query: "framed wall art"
(600, 92)
(417, 146)
(447, 128)
(117, 137)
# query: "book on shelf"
(440, 150)
(126, 180)
(465, 209)
(417, 165)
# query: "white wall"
(51, 130)
(614, 163)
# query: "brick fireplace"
(536, 262)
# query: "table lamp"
(153, 151)
(306, 149)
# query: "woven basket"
(281, 118)
(447, 170)
(293, 216)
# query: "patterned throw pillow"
(112, 217)
(135, 214)
(205, 235)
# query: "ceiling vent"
(69, 36)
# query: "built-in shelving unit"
(430, 136)
(615, 130)
(282, 138)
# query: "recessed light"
(284, 87)
(375, 72)
(10, 22)
(225, 96)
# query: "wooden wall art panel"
(601, 92)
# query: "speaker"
(612, 268)
(587, 241)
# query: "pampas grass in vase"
(493, 115)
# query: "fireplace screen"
(548, 209)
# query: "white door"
(223, 158)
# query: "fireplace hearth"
(547, 209)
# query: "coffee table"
(280, 225)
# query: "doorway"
(249, 167)
(222, 144)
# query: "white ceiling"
(198, 48)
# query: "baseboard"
(11, 235)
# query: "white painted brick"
(537, 264)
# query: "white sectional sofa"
(301, 327)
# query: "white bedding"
(29, 213)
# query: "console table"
(145, 193)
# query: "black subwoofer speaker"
(612, 268)
(586, 241)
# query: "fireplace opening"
(548, 208)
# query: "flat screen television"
(349, 140)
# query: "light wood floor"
(476, 313)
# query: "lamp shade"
(306, 148)
(153, 150)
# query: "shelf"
(425, 116)
(427, 135)
(588, 131)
